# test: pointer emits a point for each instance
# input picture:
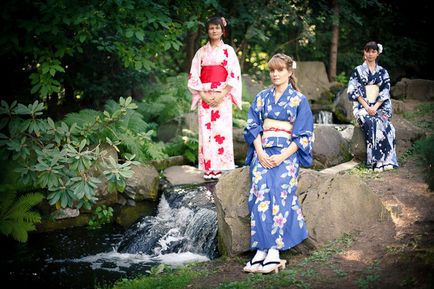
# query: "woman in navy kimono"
(369, 89)
(279, 133)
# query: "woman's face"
(215, 32)
(370, 55)
(280, 76)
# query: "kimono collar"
(208, 44)
(365, 67)
(285, 93)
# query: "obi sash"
(213, 73)
(372, 92)
(277, 128)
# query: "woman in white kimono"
(215, 83)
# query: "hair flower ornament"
(380, 48)
(294, 64)
(224, 22)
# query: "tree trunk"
(191, 46)
(334, 41)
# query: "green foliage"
(239, 116)
(371, 278)
(70, 42)
(61, 158)
(425, 149)
(342, 79)
(101, 215)
(171, 278)
(16, 217)
(166, 99)
(422, 114)
(186, 145)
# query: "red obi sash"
(277, 129)
(213, 73)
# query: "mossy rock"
(127, 215)
(48, 224)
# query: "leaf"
(82, 38)
(140, 35)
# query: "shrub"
(59, 158)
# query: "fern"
(166, 99)
(82, 118)
(16, 219)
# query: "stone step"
(340, 168)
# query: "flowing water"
(184, 230)
(323, 117)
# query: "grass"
(163, 277)
(297, 275)
(370, 278)
(418, 114)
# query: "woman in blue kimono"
(369, 89)
(279, 133)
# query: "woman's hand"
(264, 159)
(206, 96)
(372, 111)
(276, 160)
(217, 97)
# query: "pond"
(84, 258)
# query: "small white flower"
(380, 48)
(294, 65)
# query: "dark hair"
(281, 60)
(216, 21)
(371, 45)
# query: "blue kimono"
(378, 130)
(276, 217)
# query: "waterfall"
(324, 117)
(186, 222)
(183, 231)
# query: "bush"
(425, 150)
(58, 158)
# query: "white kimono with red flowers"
(215, 123)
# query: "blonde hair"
(279, 61)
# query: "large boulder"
(330, 148)
(240, 146)
(312, 78)
(358, 144)
(421, 89)
(406, 134)
(332, 205)
(230, 197)
(143, 185)
(343, 107)
(337, 204)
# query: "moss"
(127, 215)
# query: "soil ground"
(395, 253)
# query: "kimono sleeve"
(384, 85)
(234, 77)
(253, 127)
(302, 133)
(194, 82)
(355, 87)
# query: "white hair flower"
(380, 48)
(294, 65)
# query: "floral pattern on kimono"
(378, 130)
(215, 123)
(276, 216)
